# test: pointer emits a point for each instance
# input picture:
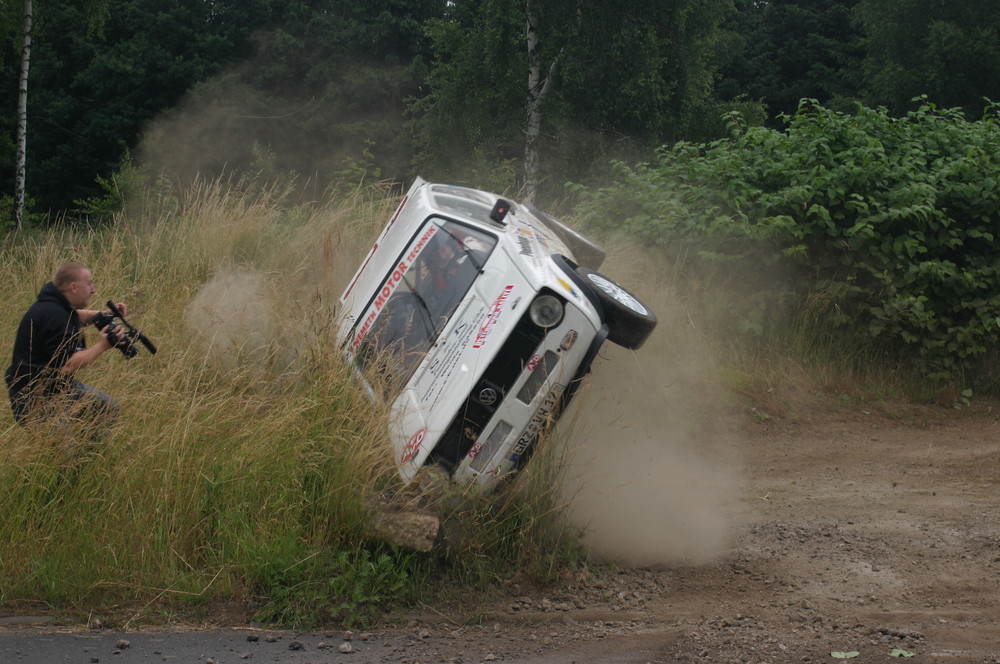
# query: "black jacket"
(48, 335)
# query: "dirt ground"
(858, 533)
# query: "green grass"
(245, 453)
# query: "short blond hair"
(66, 274)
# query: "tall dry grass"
(243, 450)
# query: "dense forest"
(503, 94)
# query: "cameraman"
(50, 348)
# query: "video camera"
(126, 344)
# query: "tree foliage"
(885, 229)
(949, 51)
(646, 73)
(629, 79)
(393, 88)
(317, 87)
(479, 73)
(783, 51)
(93, 90)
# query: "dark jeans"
(78, 403)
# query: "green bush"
(346, 588)
(879, 231)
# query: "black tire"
(630, 321)
(586, 252)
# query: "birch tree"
(96, 12)
(22, 115)
(538, 89)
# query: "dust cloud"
(262, 315)
(265, 317)
(652, 468)
(230, 317)
(229, 126)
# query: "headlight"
(546, 311)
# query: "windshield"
(418, 298)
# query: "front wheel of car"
(630, 321)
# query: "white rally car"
(476, 319)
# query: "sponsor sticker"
(492, 315)
(568, 286)
(413, 446)
(446, 358)
(390, 285)
(524, 242)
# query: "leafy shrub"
(884, 230)
(349, 588)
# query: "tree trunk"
(22, 118)
(538, 87)
(536, 90)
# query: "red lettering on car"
(492, 316)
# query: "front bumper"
(533, 402)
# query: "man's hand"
(112, 334)
(87, 315)
(82, 358)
